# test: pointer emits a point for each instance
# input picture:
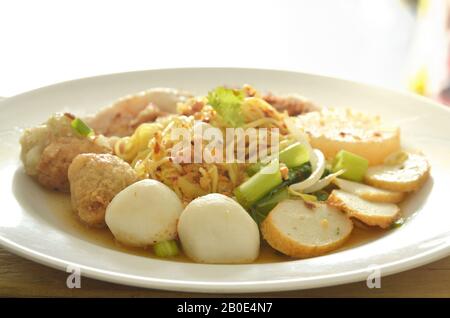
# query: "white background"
(44, 42)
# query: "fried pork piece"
(94, 181)
(125, 115)
(294, 104)
(48, 150)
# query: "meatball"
(94, 181)
(48, 150)
(34, 140)
(58, 155)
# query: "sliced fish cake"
(369, 193)
(380, 214)
(302, 230)
(407, 176)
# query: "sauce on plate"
(60, 205)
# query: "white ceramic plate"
(32, 227)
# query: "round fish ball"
(144, 213)
(216, 229)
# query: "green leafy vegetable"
(261, 183)
(81, 127)
(321, 195)
(326, 172)
(261, 208)
(227, 103)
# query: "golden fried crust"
(281, 242)
(94, 181)
(57, 156)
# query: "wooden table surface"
(22, 278)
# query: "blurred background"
(400, 44)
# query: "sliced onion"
(322, 183)
(317, 160)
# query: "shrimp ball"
(216, 229)
(144, 213)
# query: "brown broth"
(59, 204)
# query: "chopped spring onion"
(355, 166)
(249, 192)
(166, 249)
(81, 127)
(294, 155)
(317, 160)
(398, 223)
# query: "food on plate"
(333, 130)
(144, 213)
(294, 104)
(369, 193)
(48, 150)
(95, 179)
(405, 176)
(380, 214)
(301, 229)
(227, 176)
(125, 115)
(216, 229)
(354, 167)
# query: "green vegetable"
(398, 223)
(294, 155)
(253, 169)
(326, 172)
(306, 197)
(303, 172)
(227, 103)
(261, 208)
(355, 166)
(321, 195)
(166, 248)
(81, 127)
(259, 184)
